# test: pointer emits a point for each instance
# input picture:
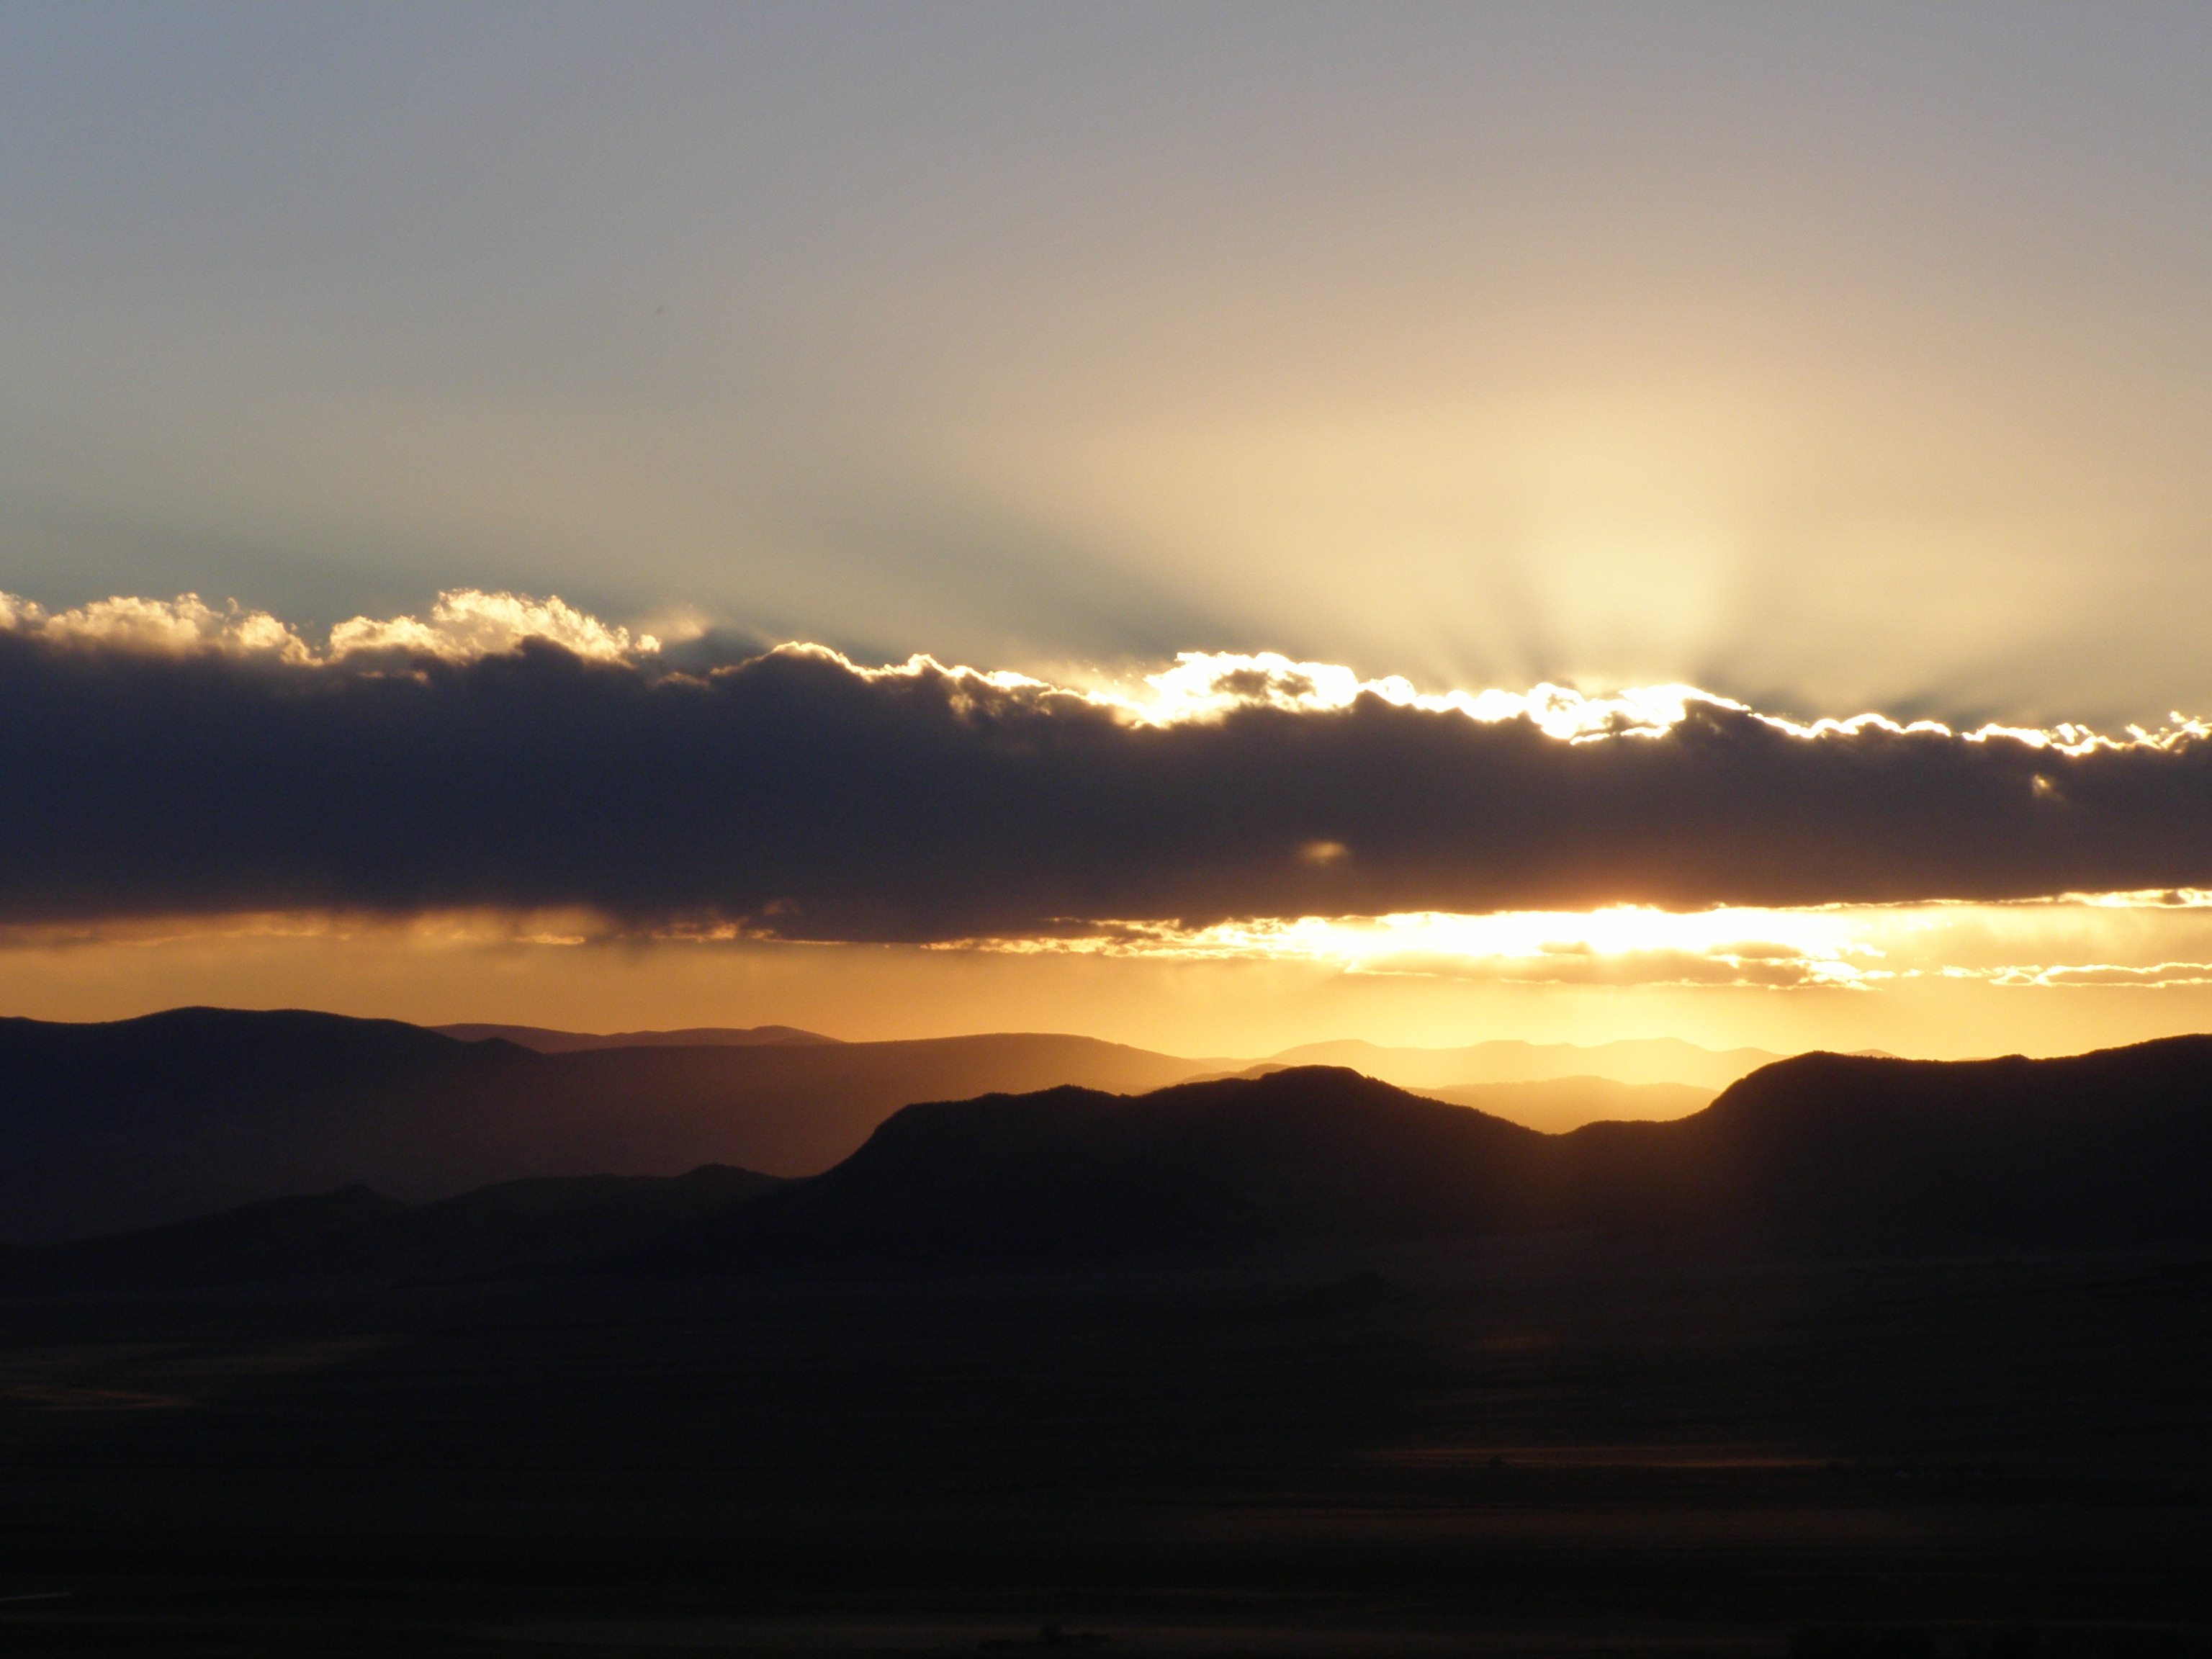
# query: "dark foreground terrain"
(1509, 1446)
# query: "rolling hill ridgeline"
(1824, 1153)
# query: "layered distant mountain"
(1558, 1104)
(1553, 1104)
(147, 1120)
(546, 1040)
(1824, 1153)
(1641, 1060)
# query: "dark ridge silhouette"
(2108, 1148)
(140, 1122)
(1309, 1153)
(144, 1121)
(1260, 1070)
(1558, 1104)
(547, 1041)
(1825, 1152)
(1635, 1059)
(543, 1222)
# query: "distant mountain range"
(1555, 1105)
(1634, 1059)
(147, 1120)
(1637, 1059)
(548, 1042)
(1821, 1153)
(153, 1119)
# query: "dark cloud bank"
(813, 800)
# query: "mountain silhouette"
(1637, 1060)
(547, 1041)
(1312, 1153)
(140, 1122)
(2108, 1148)
(148, 1122)
(1824, 1152)
(1559, 1103)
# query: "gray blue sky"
(1838, 359)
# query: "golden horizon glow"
(2072, 938)
(2039, 979)
(2141, 939)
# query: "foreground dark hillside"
(542, 1223)
(1777, 1380)
(144, 1121)
(1536, 1448)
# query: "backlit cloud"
(167, 758)
(2101, 940)
(172, 626)
(1622, 945)
(467, 624)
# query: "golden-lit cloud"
(185, 623)
(1209, 685)
(1616, 945)
(518, 755)
(467, 624)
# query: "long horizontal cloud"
(795, 793)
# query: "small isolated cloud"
(165, 757)
(158, 626)
(466, 622)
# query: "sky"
(1305, 521)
